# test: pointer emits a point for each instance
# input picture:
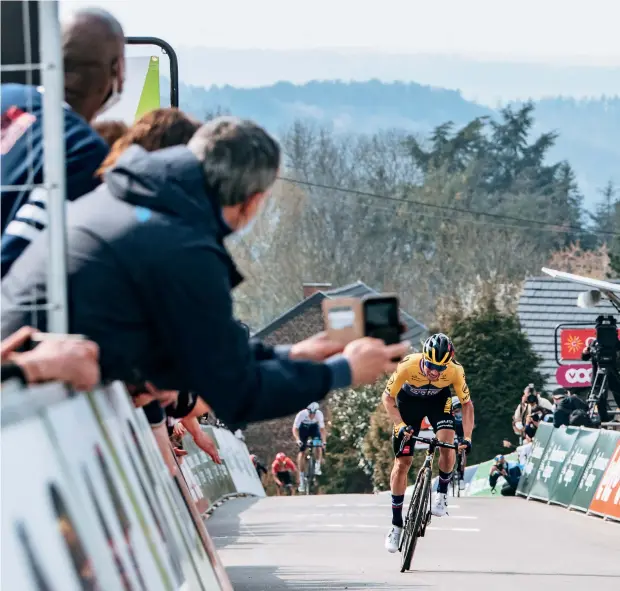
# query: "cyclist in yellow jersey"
(421, 387)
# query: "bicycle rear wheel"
(415, 518)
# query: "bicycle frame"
(311, 445)
(418, 514)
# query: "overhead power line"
(547, 225)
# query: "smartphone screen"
(341, 317)
(381, 320)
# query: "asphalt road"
(336, 542)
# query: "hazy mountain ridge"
(588, 128)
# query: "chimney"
(311, 288)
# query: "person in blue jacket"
(94, 69)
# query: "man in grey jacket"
(150, 281)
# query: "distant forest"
(588, 130)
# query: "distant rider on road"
(309, 424)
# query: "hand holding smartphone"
(376, 316)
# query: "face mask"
(112, 100)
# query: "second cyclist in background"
(309, 424)
(282, 470)
(457, 413)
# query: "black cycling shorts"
(284, 478)
(437, 408)
(308, 431)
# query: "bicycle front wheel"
(417, 509)
(310, 475)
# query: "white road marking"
(375, 526)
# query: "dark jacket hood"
(168, 181)
(171, 182)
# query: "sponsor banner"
(240, 467)
(572, 469)
(595, 468)
(606, 500)
(574, 376)
(50, 539)
(573, 341)
(479, 485)
(88, 508)
(554, 456)
(539, 444)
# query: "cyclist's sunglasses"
(435, 367)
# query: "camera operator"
(529, 401)
(569, 408)
(604, 353)
(511, 472)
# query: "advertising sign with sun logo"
(573, 340)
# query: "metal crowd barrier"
(576, 468)
(88, 503)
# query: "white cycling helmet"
(456, 403)
(313, 407)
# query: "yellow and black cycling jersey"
(410, 379)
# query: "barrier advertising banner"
(240, 467)
(573, 467)
(545, 430)
(554, 456)
(91, 503)
(595, 467)
(606, 501)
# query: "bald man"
(94, 67)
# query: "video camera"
(604, 350)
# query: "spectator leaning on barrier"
(94, 68)
(151, 281)
(72, 361)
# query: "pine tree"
(614, 245)
(499, 362)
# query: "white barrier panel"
(88, 502)
(240, 467)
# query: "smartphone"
(381, 318)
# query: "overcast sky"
(567, 31)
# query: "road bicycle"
(419, 512)
(311, 445)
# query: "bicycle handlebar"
(432, 443)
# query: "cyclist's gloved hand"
(466, 445)
(300, 443)
(401, 429)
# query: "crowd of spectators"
(150, 280)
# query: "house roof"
(547, 302)
(415, 330)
